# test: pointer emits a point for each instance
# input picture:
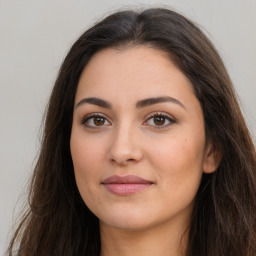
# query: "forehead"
(133, 73)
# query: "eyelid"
(169, 117)
(91, 115)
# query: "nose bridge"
(125, 145)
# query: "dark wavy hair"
(223, 222)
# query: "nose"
(125, 146)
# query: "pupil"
(159, 120)
(99, 121)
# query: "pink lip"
(126, 185)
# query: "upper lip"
(127, 179)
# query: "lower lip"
(126, 189)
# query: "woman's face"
(138, 140)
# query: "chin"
(128, 224)
(127, 220)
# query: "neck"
(162, 240)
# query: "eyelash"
(90, 117)
(154, 115)
(171, 120)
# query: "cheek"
(183, 152)
(87, 160)
(179, 162)
(87, 152)
(83, 156)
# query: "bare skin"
(162, 240)
(136, 115)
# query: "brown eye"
(159, 120)
(98, 121)
(95, 121)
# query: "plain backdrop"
(36, 35)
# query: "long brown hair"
(224, 217)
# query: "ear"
(212, 159)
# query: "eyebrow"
(152, 101)
(95, 101)
(140, 104)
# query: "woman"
(145, 149)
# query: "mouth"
(126, 185)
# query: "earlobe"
(212, 159)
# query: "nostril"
(122, 153)
(123, 161)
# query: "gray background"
(36, 35)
